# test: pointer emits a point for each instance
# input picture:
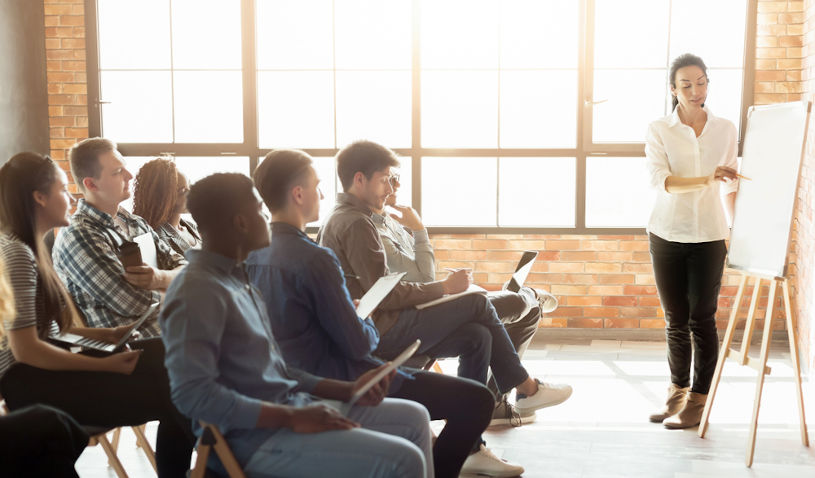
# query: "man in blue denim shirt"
(225, 366)
(316, 324)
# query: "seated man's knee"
(474, 337)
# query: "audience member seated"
(467, 327)
(408, 249)
(86, 252)
(125, 388)
(160, 198)
(226, 369)
(315, 322)
(36, 440)
(40, 441)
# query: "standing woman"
(691, 157)
(160, 197)
(126, 388)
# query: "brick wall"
(66, 76)
(601, 281)
(804, 226)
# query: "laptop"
(84, 342)
(377, 293)
(521, 271)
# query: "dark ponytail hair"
(687, 59)
(20, 177)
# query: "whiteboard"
(771, 158)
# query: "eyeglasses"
(393, 179)
(183, 191)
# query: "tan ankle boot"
(676, 400)
(691, 415)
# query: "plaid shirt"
(85, 259)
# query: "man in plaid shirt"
(85, 253)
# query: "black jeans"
(40, 441)
(688, 278)
(520, 321)
(465, 404)
(108, 399)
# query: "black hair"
(687, 59)
(216, 199)
(363, 156)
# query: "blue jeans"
(394, 441)
(468, 328)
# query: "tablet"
(399, 360)
(377, 293)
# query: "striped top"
(24, 278)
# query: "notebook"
(77, 340)
(377, 293)
(521, 271)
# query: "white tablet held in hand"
(377, 293)
(399, 360)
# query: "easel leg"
(796, 367)
(725, 350)
(765, 349)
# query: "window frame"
(584, 145)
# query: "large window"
(509, 115)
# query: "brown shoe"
(676, 400)
(691, 415)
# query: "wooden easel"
(741, 356)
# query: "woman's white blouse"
(672, 149)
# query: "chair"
(424, 362)
(211, 438)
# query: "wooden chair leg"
(113, 460)
(117, 433)
(141, 441)
(200, 468)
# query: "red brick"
(601, 312)
(605, 290)
(554, 322)
(621, 256)
(621, 323)
(649, 301)
(578, 256)
(586, 323)
(615, 278)
(620, 300)
(652, 323)
(563, 245)
(499, 244)
(590, 300)
(633, 245)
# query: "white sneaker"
(547, 301)
(484, 462)
(505, 414)
(548, 395)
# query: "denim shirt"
(221, 357)
(312, 314)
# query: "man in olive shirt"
(467, 327)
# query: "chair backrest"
(211, 438)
